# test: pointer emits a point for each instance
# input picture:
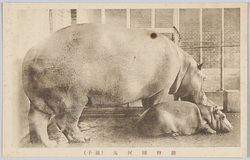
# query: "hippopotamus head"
(221, 124)
(195, 78)
(216, 119)
(190, 86)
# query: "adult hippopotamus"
(182, 118)
(103, 65)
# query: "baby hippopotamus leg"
(207, 129)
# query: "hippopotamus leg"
(38, 122)
(207, 129)
(66, 103)
(68, 112)
(148, 102)
(176, 98)
(67, 120)
(155, 99)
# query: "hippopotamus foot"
(73, 135)
(208, 129)
(67, 121)
(211, 131)
(38, 122)
(51, 144)
(175, 134)
(68, 112)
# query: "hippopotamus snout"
(226, 129)
(222, 125)
(225, 126)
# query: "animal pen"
(215, 42)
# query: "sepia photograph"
(125, 79)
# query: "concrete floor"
(111, 131)
(122, 132)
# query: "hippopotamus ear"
(199, 66)
(216, 110)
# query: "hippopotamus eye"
(223, 117)
(199, 66)
(216, 110)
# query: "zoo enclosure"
(211, 36)
(197, 27)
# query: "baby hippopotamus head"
(216, 119)
(221, 123)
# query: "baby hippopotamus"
(182, 118)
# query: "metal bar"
(221, 46)
(152, 18)
(73, 16)
(198, 41)
(103, 16)
(161, 30)
(201, 53)
(176, 18)
(51, 20)
(176, 25)
(128, 18)
(128, 26)
(222, 49)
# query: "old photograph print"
(161, 80)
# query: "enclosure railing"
(176, 18)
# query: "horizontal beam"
(161, 30)
(197, 41)
(211, 46)
(117, 112)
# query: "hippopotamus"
(100, 64)
(182, 118)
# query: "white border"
(186, 6)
